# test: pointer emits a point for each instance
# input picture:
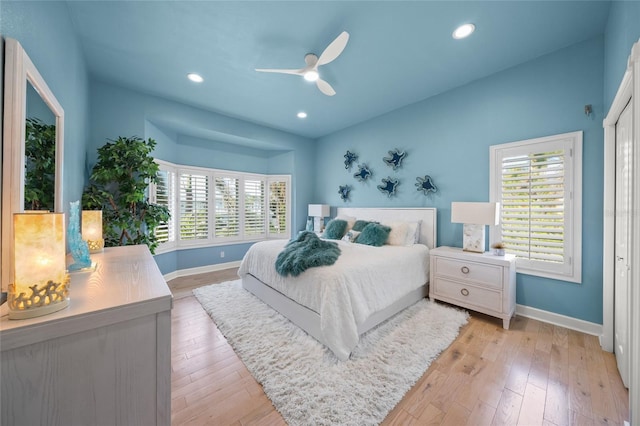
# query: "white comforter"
(363, 281)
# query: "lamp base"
(39, 311)
(473, 238)
(46, 299)
(317, 224)
(96, 246)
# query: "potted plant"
(498, 248)
(119, 187)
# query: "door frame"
(629, 89)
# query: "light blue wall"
(117, 111)
(45, 31)
(448, 137)
(622, 31)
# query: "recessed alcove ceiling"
(398, 53)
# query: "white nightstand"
(481, 282)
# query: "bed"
(367, 285)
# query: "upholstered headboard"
(427, 217)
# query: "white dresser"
(103, 360)
(478, 281)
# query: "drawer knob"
(464, 292)
(465, 270)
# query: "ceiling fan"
(310, 72)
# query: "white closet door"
(622, 280)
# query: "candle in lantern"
(92, 230)
(40, 284)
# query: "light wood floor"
(532, 374)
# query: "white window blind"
(227, 207)
(538, 184)
(278, 206)
(164, 194)
(533, 197)
(194, 206)
(254, 207)
(238, 207)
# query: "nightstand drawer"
(469, 295)
(483, 274)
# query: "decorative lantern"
(41, 282)
(92, 230)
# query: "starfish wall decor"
(426, 184)
(389, 186)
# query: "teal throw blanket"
(304, 252)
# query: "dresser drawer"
(482, 274)
(469, 295)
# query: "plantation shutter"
(227, 207)
(164, 195)
(278, 207)
(533, 199)
(254, 208)
(194, 207)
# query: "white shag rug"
(306, 383)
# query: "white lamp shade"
(475, 213)
(91, 224)
(319, 210)
(40, 282)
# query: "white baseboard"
(561, 320)
(201, 270)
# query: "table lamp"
(92, 230)
(41, 283)
(475, 216)
(319, 212)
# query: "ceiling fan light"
(311, 75)
(302, 114)
(196, 78)
(463, 31)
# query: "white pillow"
(349, 219)
(351, 236)
(413, 233)
(398, 234)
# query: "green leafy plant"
(119, 186)
(40, 165)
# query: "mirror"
(33, 138)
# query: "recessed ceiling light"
(311, 75)
(302, 114)
(464, 31)
(196, 78)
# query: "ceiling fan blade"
(282, 71)
(325, 87)
(334, 49)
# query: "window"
(210, 207)
(254, 208)
(538, 183)
(194, 206)
(163, 193)
(227, 207)
(278, 206)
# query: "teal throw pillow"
(374, 234)
(359, 225)
(335, 229)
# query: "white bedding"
(363, 281)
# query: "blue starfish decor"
(426, 185)
(344, 192)
(395, 158)
(349, 159)
(363, 173)
(389, 186)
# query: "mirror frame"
(19, 71)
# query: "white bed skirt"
(309, 320)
